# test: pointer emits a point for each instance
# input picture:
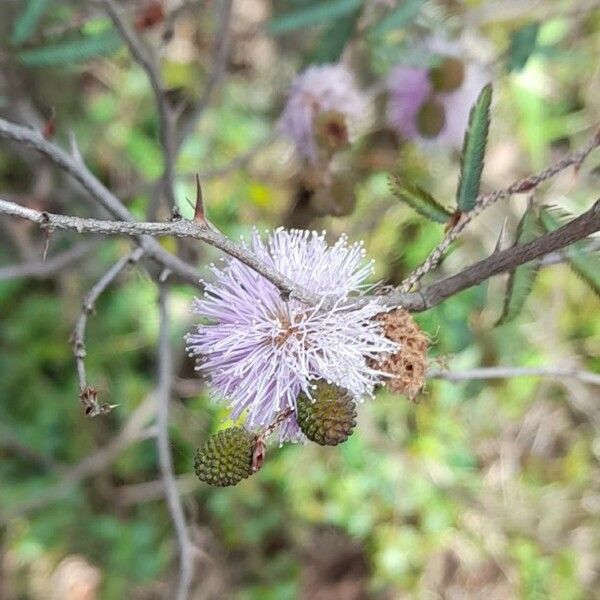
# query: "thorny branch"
(178, 228)
(163, 397)
(485, 200)
(430, 296)
(502, 261)
(416, 301)
(76, 168)
(88, 394)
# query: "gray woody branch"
(88, 394)
(509, 372)
(163, 399)
(484, 201)
(74, 166)
(430, 296)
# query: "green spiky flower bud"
(330, 417)
(226, 458)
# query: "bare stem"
(76, 168)
(485, 200)
(89, 302)
(509, 372)
(502, 261)
(45, 269)
(163, 396)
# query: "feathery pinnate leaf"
(420, 201)
(583, 263)
(473, 152)
(521, 279)
(72, 51)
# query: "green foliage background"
(483, 488)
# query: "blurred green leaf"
(420, 201)
(521, 280)
(28, 20)
(584, 264)
(72, 51)
(334, 39)
(523, 43)
(318, 13)
(473, 152)
(399, 17)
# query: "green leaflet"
(521, 280)
(333, 40)
(473, 152)
(318, 13)
(420, 201)
(28, 20)
(584, 264)
(523, 43)
(72, 51)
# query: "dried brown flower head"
(409, 365)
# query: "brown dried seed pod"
(409, 365)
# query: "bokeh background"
(482, 489)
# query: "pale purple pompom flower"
(261, 351)
(410, 87)
(318, 90)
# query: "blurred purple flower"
(410, 88)
(319, 90)
(260, 351)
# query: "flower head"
(324, 105)
(261, 351)
(434, 104)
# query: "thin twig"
(219, 63)
(75, 167)
(177, 228)
(163, 396)
(502, 261)
(96, 462)
(11, 443)
(166, 116)
(49, 268)
(485, 200)
(87, 392)
(236, 163)
(432, 295)
(509, 372)
(417, 301)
